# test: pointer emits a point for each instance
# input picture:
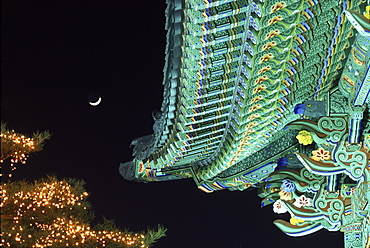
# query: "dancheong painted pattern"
(270, 95)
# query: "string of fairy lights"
(16, 147)
(51, 212)
(50, 215)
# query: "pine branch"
(152, 235)
(54, 211)
(40, 138)
(17, 147)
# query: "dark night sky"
(54, 53)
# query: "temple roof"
(234, 73)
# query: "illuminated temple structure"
(272, 95)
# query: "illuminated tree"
(17, 147)
(55, 213)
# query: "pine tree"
(55, 213)
(17, 147)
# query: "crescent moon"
(96, 103)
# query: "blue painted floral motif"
(288, 185)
